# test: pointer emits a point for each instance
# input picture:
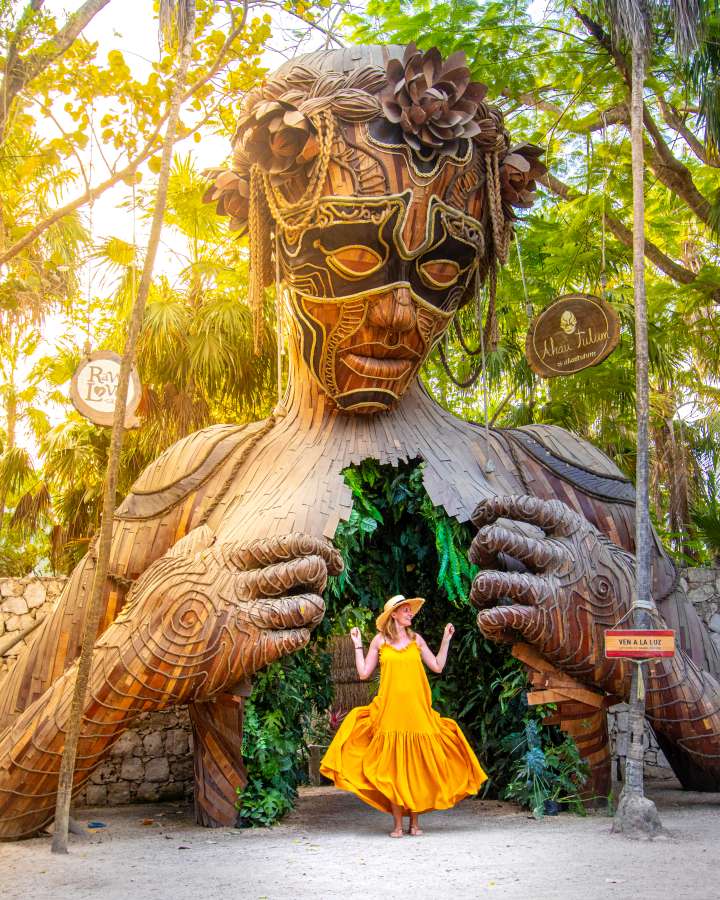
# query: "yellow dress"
(398, 749)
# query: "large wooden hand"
(578, 583)
(200, 619)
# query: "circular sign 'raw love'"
(94, 387)
(576, 332)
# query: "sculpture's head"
(377, 185)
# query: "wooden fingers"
(268, 551)
(489, 587)
(286, 612)
(505, 623)
(552, 516)
(277, 579)
(493, 539)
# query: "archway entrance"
(397, 542)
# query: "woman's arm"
(436, 663)
(365, 665)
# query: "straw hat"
(395, 602)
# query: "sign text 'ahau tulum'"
(574, 333)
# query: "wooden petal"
(456, 60)
(518, 162)
(470, 129)
(284, 145)
(432, 65)
(417, 114)
(442, 134)
(410, 51)
(395, 71)
(392, 110)
(226, 178)
(475, 91)
(459, 79)
(428, 138)
(295, 118)
(310, 150)
(415, 87)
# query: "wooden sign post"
(632, 643)
(576, 332)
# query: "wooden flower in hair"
(435, 103)
(279, 138)
(230, 191)
(518, 173)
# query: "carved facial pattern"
(372, 285)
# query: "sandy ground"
(334, 846)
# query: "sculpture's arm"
(579, 583)
(197, 622)
(166, 502)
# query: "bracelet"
(358, 648)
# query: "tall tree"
(176, 17)
(632, 24)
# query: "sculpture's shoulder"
(184, 467)
(573, 459)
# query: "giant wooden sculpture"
(379, 184)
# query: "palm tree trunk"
(92, 618)
(636, 814)
(11, 419)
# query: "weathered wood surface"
(200, 621)
(575, 586)
(581, 713)
(217, 727)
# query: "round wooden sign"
(94, 386)
(576, 332)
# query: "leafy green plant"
(543, 774)
(276, 718)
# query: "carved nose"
(393, 310)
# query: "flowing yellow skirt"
(398, 750)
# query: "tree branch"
(20, 71)
(666, 167)
(151, 145)
(673, 119)
(624, 234)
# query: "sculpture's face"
(373, 283)
(381, 172)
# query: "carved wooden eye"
(440, 273)
(354, 261)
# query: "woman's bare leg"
(397, 821)
(415, 828)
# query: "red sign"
(639, 643)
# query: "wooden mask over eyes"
(383, 185)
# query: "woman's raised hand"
(356, 637)
(449, 631)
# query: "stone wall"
(152, 760)
(24, 601)
(703, 590)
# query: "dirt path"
(334, 846)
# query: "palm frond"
(31, 508)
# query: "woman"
(398, 754)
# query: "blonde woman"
(398, 754)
